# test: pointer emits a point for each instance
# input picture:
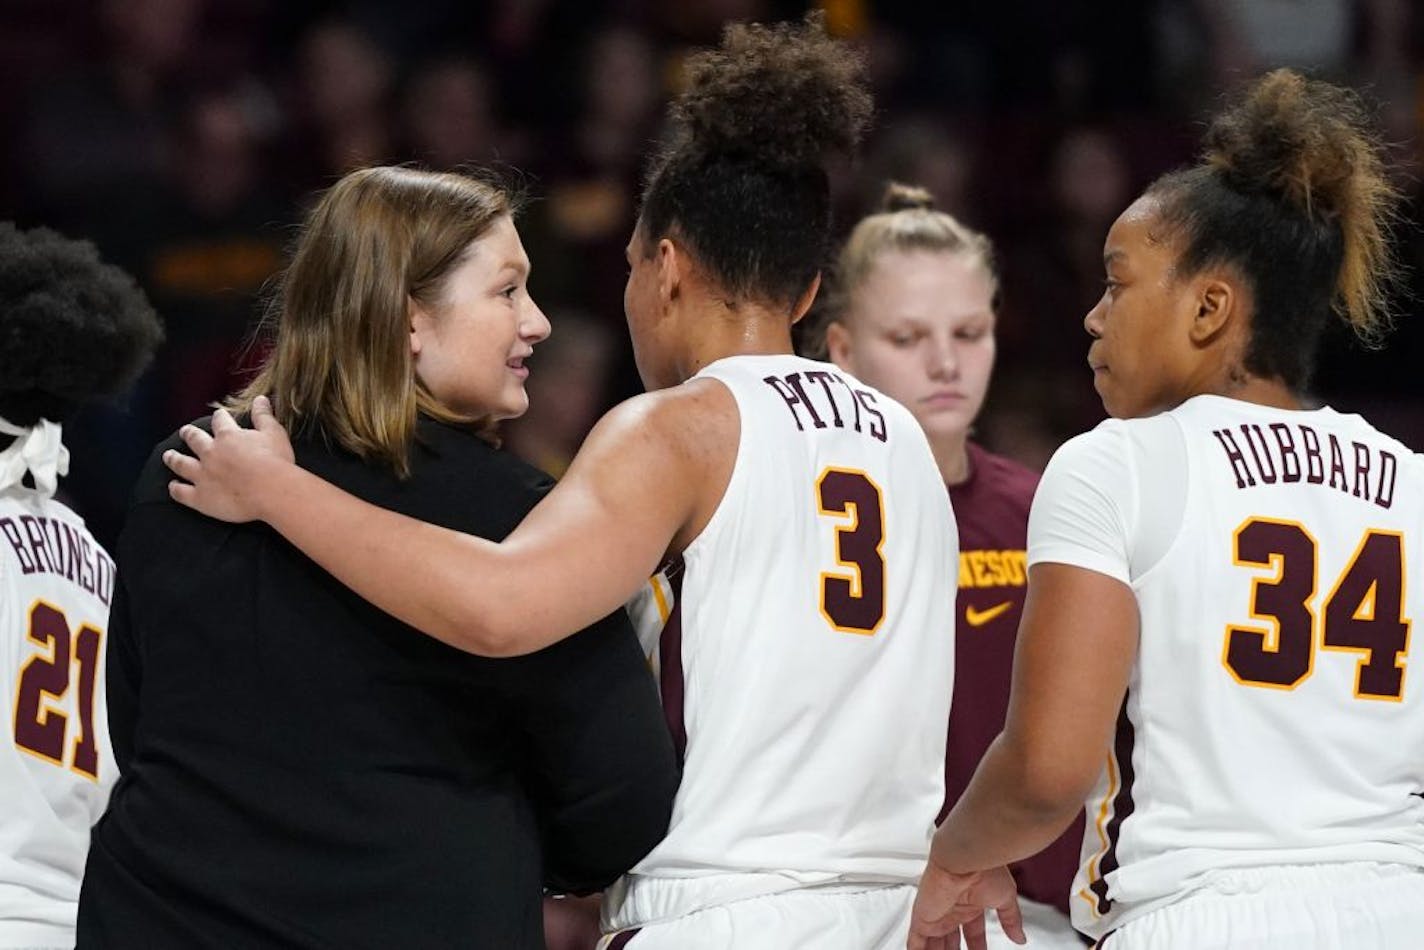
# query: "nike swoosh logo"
(977, 618)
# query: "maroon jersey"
(991, 508)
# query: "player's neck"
(951, 456)
(1262, 391)
(718, 331)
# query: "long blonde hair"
(378, 240)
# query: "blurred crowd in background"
(186, 137)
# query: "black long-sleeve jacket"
(302, 770)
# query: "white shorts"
(1355, 906)
(839, 917)
(1046, 927)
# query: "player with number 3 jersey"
(74, 328)
(781, 678)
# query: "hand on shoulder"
(230, 470)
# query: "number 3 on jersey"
(39, 728)
(1364, 611)
(854, 602)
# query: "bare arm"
(1076, 646)
(639, 482)
(1077, 643)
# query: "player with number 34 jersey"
(1297, 554)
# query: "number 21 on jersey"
(1363, 612)
(45, 678)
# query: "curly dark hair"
(72, 327)
(742, 176)
(1291, 190)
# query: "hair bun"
(1312, 145)
(902, 197)
(787, 94)
(1301, 139)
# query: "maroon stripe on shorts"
(621, 941)
(670, 654)
(1122, 806)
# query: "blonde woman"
(912, 311)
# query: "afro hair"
(72, 328)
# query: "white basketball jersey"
(1273, 715)
(808, 654)
(56, 767)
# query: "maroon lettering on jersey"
(104, 577)
(850, 393)
(1290, 462)
(794, 381)
(52, 546)
(1281, 458)
(35, 535)
(878, 428)
(798, 399)
(1362, 471)
(824, 378)
(1314, 461)
(1337, 463)
(1265, 465)
(788, 395)
(86, 566)
(17, 543)
(1384, 491)
(1236, 457)
(54, 543)
(72, 550)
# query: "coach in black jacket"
(301, 770)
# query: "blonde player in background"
(72, 328)
(1220, 590)
(911, 311)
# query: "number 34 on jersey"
(1361, 612)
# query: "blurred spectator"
(202, 243)
(568, 389)
(102, 127)
(936, 154)
(448, 116)
(1056, 264)
(577, 233)
(341, 105)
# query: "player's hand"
(232, 466)
(949, 904)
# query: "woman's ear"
(672, 264)
(419, 323)
(809, 297)
(1218, 306)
